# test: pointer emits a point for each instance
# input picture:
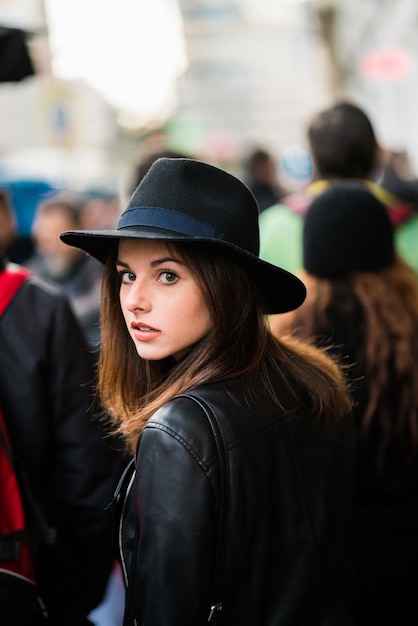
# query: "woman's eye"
(127, 277)
(168, 277)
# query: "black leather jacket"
(289, 489)
(46, 374)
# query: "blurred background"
(88, 87)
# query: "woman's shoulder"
(230, 402)
(184, 416)
(181, 426)
(195, 403)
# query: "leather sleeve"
(175, 503)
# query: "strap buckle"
(215, 607)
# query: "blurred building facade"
(259, 70)
(254, 74)
(372, 48)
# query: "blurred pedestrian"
(260, 174)
(362, 305)
(399, 176)
(244, 444)
(400, 179)
(16, 247)
(46, 395)
(99, 210)
(343, 146)
(78, 275)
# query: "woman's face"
(164, 310)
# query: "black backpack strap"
(216, 603)
(12, 277)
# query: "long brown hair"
(239, 345)
(388, 353)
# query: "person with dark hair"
(79, 276)
(237, 505)
(46, 395)
(343, 143)
(362, 305)
(343, 146)
(14, 246)
(261, 177)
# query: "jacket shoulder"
(184, 420)
(46, 300)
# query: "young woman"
(237, 507)
(363, 303)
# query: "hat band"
(176, 222)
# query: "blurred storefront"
(213, 77)
(254, 76)
(373, 51)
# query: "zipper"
(120, 531)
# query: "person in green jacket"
(343, 145)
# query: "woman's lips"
(143, 332)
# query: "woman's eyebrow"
(154, 263)
(166, 259)
(119, 262)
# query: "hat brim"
(283, 291)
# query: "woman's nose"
(138, 298)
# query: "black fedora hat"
(185, 200)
